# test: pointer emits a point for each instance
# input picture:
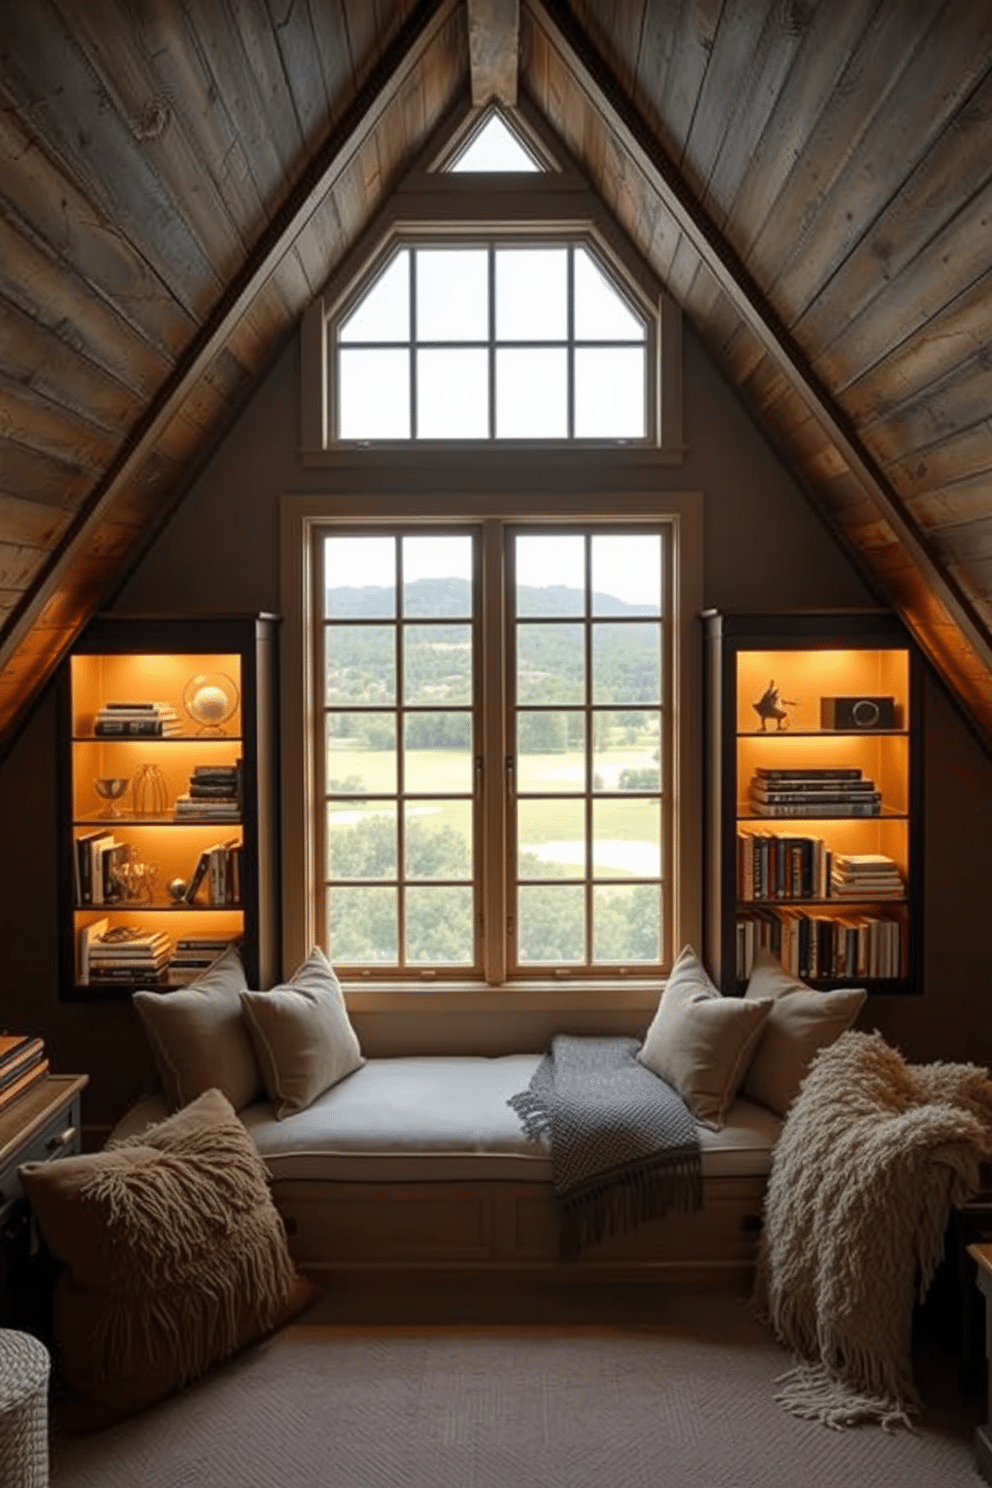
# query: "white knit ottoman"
(24, 1368)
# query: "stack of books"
(814, 793)
(193, 955)
(23, 1063)
(123, 954)
(136, 721)
(865, 876)
(214, 794)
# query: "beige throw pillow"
(802, 1021)
(699, 1042)
(302, 1035)
(173, 1257)
(198, 1038)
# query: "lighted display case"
(169, 802)
(813, 840)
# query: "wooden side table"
(42, 1125)
(982, 1256)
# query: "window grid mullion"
(570, 339)
(492, 340)
(414, 430)
(588, 761)
(400, 760)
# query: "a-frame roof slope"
(812, 182)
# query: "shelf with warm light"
(814, 840)
(169, 802)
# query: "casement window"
(495, 779)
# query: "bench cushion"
(445, 1117)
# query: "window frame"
(474, 969)
(432, 205)
(303, 521)
(491, 240)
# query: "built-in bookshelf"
(814, 822)
(169, 801)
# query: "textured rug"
(634, 1388)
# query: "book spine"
(106, 728)
(86, 861)
(137, 707)
(26, 1081)
(771, 790)
(819, 808)
(13, 1069)
(798, 788)
(197, 878)
(808, 774)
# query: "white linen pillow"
(802, 1021)
(198, 1038)
(302, 1035)
(700, 1042)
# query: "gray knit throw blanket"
(624, 1147)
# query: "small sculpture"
(769, 705)
(134, 879)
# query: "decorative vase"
(149, 792)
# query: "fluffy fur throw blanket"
(624, 1147)
(873, 1154)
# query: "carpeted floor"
(628, 1388)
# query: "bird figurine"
(769, 705)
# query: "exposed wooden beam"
(20, 646)
(494, 50)
(605, 95)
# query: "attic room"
(200, 201)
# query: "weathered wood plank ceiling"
(811, 178)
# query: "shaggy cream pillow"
(173, 1257)
(699, 1042)
(198, 1038)
(302, 1035)
(800, 1024)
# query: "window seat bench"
(418, 1162)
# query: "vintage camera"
(857, 713)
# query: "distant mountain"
(558, 599)
(451, 599)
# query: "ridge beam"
(494, 50)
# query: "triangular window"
(495, 148)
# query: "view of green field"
(412, 671)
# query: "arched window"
(491, 340)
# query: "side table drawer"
(59, 1137)
(43, 1125)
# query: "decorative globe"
(210, 698)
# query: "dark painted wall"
(764, 548)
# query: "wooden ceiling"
(812, 179)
